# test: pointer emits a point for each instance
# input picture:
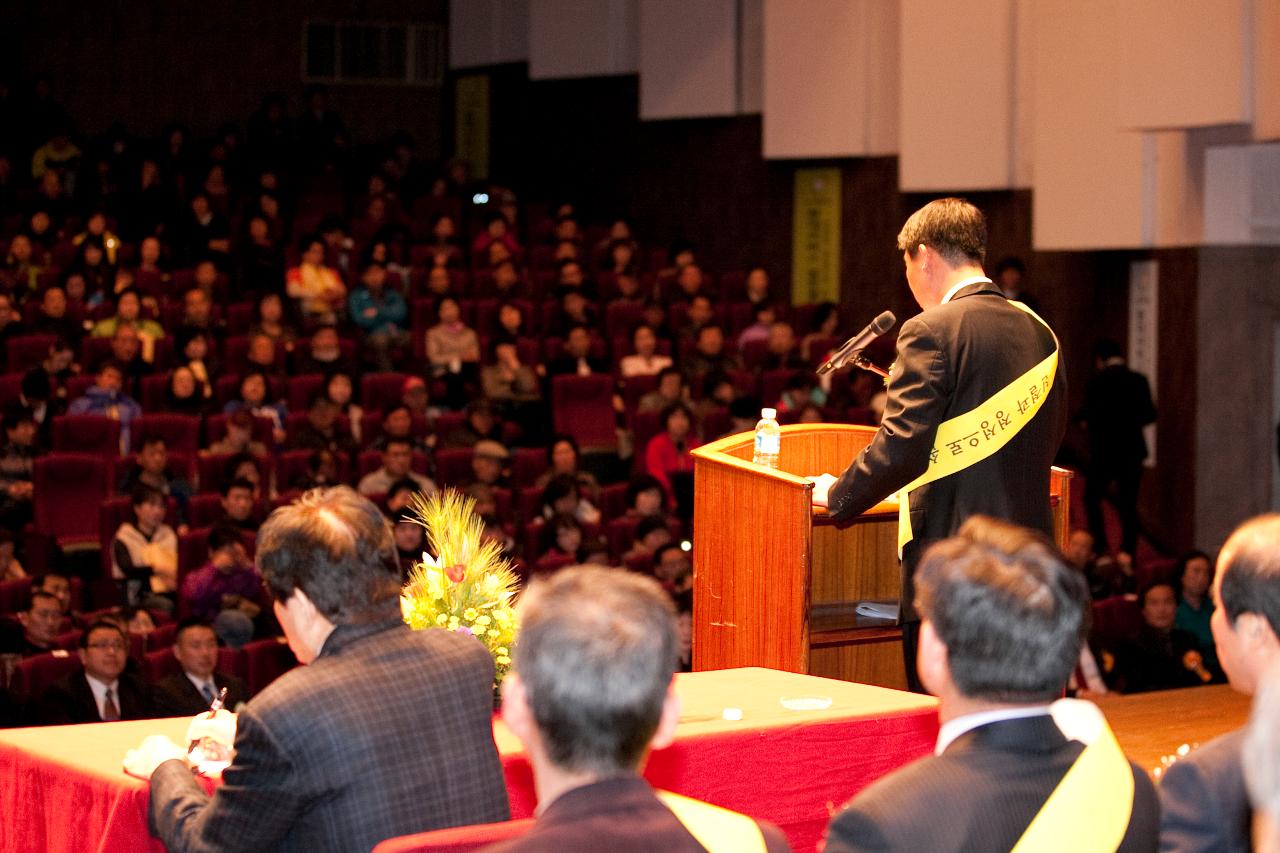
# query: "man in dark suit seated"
(36, 628)
(387, 731)
(590, 694)
(101, 692)
(192, 690)
(1203, 804)
(1003, 621)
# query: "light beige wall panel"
(583, 38)
(1184, 63)
(830, 78)
(957, 101)
(1089, 174)
(688, 58)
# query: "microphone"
(858, 342)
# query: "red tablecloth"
(63, 789)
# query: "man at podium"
(976, 407)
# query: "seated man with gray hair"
(590, 694)
(385, 731)
(1003, 621)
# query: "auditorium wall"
(149, 62)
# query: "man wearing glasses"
(101, 692)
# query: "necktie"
(110, 711)
(207, 690)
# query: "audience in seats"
(144, 553)
(397, 460)
(227, 590)
(1161, 656)
(230, 291)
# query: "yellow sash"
(1090, 808)
(969, 438)
(715, 828)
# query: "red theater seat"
(96, 434)
(32, 675)
(69, 487)
(582, 406)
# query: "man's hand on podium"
(821, 488)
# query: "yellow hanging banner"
(471, 122)
(815, 237)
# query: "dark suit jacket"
(979, 795)
(1117, 405)
(621, 815)
(388, 732)
(951, 358)
(69, 700)
(1203, 802)
(176, 696)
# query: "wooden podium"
(778, 586)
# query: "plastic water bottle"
(768, 439)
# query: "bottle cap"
(768, 414)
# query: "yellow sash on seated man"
(1091, 807)
(969, 438)
(719, 830)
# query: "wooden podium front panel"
(858, 563)
(750, 558)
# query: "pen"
(214, 707)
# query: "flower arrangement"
(468, 585)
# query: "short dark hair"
(559, 486)
(650, 523)
(1011, 263)
(642, 483)
(596, 655)
(1009, 609)
(1185, 560)
(407, 443)
(222, 535)
(564, 438)
(142, 494)
(337, 547)
(952, 227)
(237, 483)
(1251, 578)
(1107, 349)
(189, 623)
(101, 624)
(1155, 584)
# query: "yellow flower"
(453, 622)
(502, 660)
(482, 620)
(494, 632)
(442, 619)
(470, 614)
(502, 650)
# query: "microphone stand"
(860, 360)
(857, 359)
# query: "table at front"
(1151, 725)
(63, 788)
